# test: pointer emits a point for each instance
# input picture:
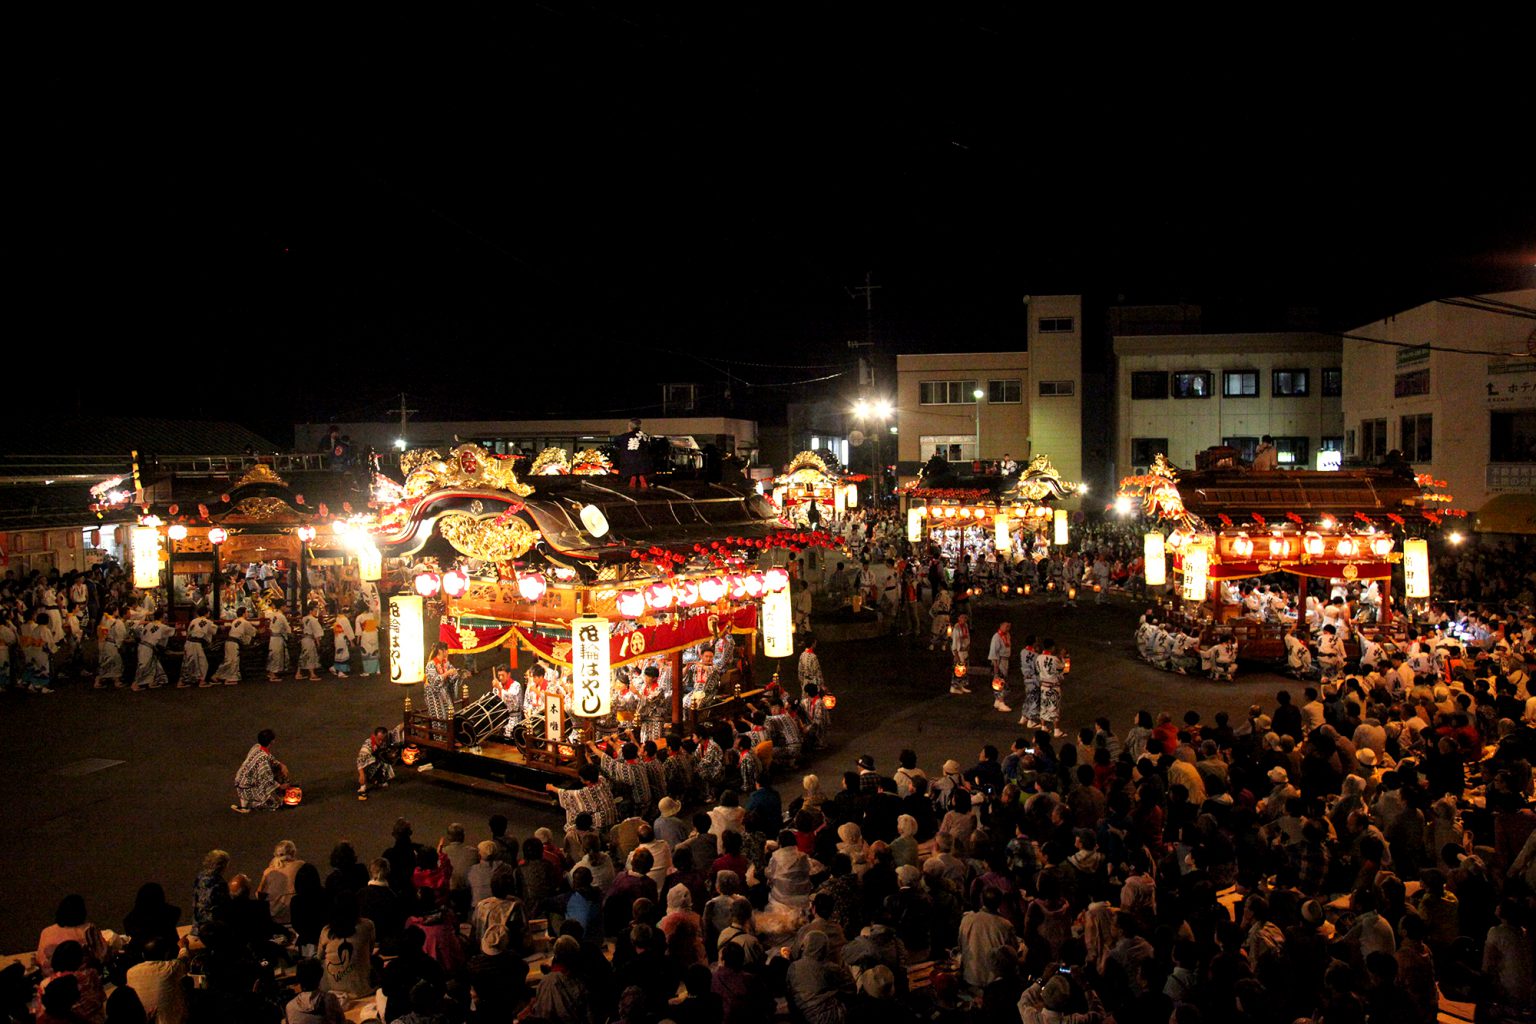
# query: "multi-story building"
(985, 405)
(1452, 385)
(1180, 394)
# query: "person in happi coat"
(510, 692)
(1050, 670)
(194, 656)
(242, 633)
(260, 778)
(153, 636)
(438, 691)
(374, 762)
(37, 647)
(366, 622)
(111, 633)
(277, 644)
(632, 456)
(343, 636)
(310, 632)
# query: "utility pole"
(867, 366)
(405, 414)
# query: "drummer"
(510, 691)
(533, 694)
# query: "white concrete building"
(1452, 385)
(1180, 394)
(1030, 401)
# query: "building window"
(947, 392)
(1373, 440)
(676, 398)
(1144, 450)
(1406, 385)
(1244, 446)
(1333, 382)
(1056, 389)
(1349, 442)
(1192, 384)
(1416, 437)
(1149, 384)
(1055, 325)
(1292, 452)
(1512, 436)
(1291, 384)
(1330, 454)
(954, 447)
(1240, 384)
(1005, 392)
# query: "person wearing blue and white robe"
(342, 637)
(277, 642)
(111, 634)
(155, 634)
(438, 691)
(194, 656)
(242, 633)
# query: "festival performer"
(375, 762)
(594, 796)
(785, 732)
(1330, 652)
(1298, 656)
(725, 647)
(8, 639)
(1050, 670)
(368, 638)
(343, 637)
(939, 620)
(534, 695)
(194, 656)
(277, 642)
(110, 636)
(438, 690)
(260, 777)
(310, 632)
(37, 647)
(1029, 669)
(1000, 654)
(242, 633)
(960, 650)
(510, 692)
(809, 666)
(655, 704)
(818, 718)
(1224, 659)
(706, 678)
(632, 456)
(153, 636)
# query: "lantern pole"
(218, 582)
(1386, 601)
(304, 578)
(170, 577)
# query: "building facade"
(1452, 385)
(1180, 394)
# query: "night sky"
(546, 208)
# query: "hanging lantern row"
(661, 595)
(981, 513)
(1313, 545)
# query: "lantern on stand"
(293, 796)
(1196, 567)
(914, 525)
(1152, 551)
(1416, 568)
(1060, 520)
(1002, 537)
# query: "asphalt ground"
(154, 815)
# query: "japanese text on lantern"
(407, 663)
(778, 625)
(146, 557)
(1416, 567)
(589, 664)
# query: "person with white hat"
(668, 826)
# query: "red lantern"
(455, 583)
(688, 593)
(829, 702)
(998, 684)
(658, 596)
(410, 755)
(427, 584)
(631, 604)
(960, 671)
(531, 586)
(293, 796)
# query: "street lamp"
(879, 410)
(977, 395)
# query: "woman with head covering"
(789, 874)
(851, 843)
(277, 881)
(812, 797)
(683, 928)
(904, 846)
(812, 984)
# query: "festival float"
(808, 481)
(1226, 522)
(570, 570)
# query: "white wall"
(1004, 426)
(1056, 422)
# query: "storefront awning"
(1507, 513)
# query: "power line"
(1424, 345)
(1508, 310)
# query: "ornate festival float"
(589, 580)
(809, 481)
(1226, 522)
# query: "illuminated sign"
(146, 557)
(407, 655)
(589, 666)
(1416, 567)
(1157, 564)
(1061, 526)
(778, 625)
(1196, 565)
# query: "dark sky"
(549, 207)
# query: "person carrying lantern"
(938, 614)
(375, 767)
(259, 780)
(960, 648)
(1029, 668)
(1000, 653)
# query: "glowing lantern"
(1156, 561)
(1279, 547)
(829, 701)
(341, 527)
(1196, 565)
(593, 519)
(853, 496)
(631, 604)
(410, 755)
(998, 684)
(949, 511)
(754, 583)
(407, 642)
(1029, 588)
(1381, 546)
(914, 525)
(839, 500)
(778, 625)
(370, 562)
(688, 593)
(960, 671)
(1242, 546)
(1060, 519)
(658, 596)
(775, 580)
(1314, 545)
(306, 533)
(1001, 535)
(1346, 547)
(427, 584)
(1005, 588)
(145, 546)
(738, 585)
(177, 532)
(455, 583)
(965, 513)
(1071, 593)
(592, 697)
(293, 796)
(1176, 541)
(218, 535)
(531, 586)
(1416, 568)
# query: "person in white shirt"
(310, 632)
(149, 674)
(938, 614)
(1000, 653)
(1371, 654)
(37, 645)
(367, 628)
(1051, 670)
(194, 657)
(242, 633)
(1028, 668)
(1298, 656)
(111, 633)
(277, 642)
(344, 636)
(1330, 652)
(1224, 659)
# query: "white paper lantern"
(370, 562)
(1002, 537)
(852, 500)
(593, 519)
(589, 665)
(146, 557)
(1416, 568)
(1061, 526)
(1157, 562)
(778, 625)
(407, 644)
(1196, 566)
(914, 526)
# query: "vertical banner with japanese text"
(778, 625)
(589, 667)
(407, 660)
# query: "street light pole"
(977, 396)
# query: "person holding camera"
(375, 762)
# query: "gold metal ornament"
(467, 466)
(486, 539)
